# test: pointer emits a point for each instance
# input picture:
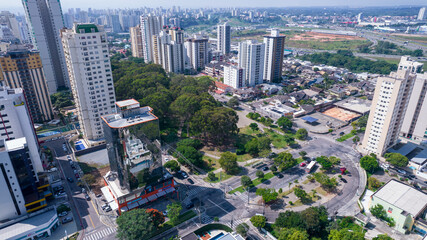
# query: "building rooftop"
(27, 225)
(141, 115)
(402, 196)
(16, 144)
(113, 182)
(357, 105)
(127, 103)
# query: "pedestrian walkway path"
(100, 234)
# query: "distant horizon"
(16, 6)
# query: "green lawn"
(255, 182)
(224, 176)
(211, 164)
(389, 60)
(345, 137)
(244, 157)
(328, 45)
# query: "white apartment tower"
(387, 112)
(273, 59)
(421, 14)
(234, 76)
(89, 68)
(407, 63)
(197, 52)
(150, 26)
(224, 38)
(136, 42)
(414, 124)
(45, 20)
(251, 58)
(168, 50)
(15, 122)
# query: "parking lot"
(322, 125)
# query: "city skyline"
(16, 6)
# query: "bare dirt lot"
(341, 114)
(323, 37)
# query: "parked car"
(190, 180)
(99, 195)
(280, 175)
(54, 169)
(70, 179)
(385, 166)
(77, 176)
(108, 209)
(343, 180)
(67, 220)
(103, 207)
(401, 171)
(166, 159)
(265, 168)
(165, 213)
(58, 188)
(63, 214)
(87, 197)
(189, 205)
(69, 158)
(303, 164)
(184, 174)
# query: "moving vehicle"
(87, 197)
(70, 179)
(401, 171)
(190, 180)
(310, 166)
(184, 174)
(303, 164)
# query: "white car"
(401, 171)
(166, 159)
(63, 214)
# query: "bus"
(310, 166)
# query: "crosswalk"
(100, 234)
(243, 196)
(194, 191)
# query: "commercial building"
(197, 52)
(136, 42)
(387, 112)
(127, 135)
(224, 38)
(21, 68)
(89, 68)
(273, 59)
(8, 19)
(22, 189)
(251, 58)
(403, 203)
(421, 14)
(234, 76)
(15, 122)
(150, 26)
(32, 226)
(45, 20)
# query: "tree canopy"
(397, 159)
(284, 161)
(228, 162)
(258, 221)
(136, 224)
(369, 163)
(267, 194)
(172, 165)
(285, 123)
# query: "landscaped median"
(168, 225)
(255, 182)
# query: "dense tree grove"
(179, 102)
(347, 60)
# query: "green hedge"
(213, 226)
(168, 225)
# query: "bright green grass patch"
(244, 157)
(224, 176)
(255, 182)
(345, 137)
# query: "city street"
(86, 215)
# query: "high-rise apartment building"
(421, 14)
(128, 133)
(234, 76)
(21, 68)
(15, 122)
(392, 94)
(45, 20)
(224, 38)
(168, 50)
(150, 26)
(197, 52)
(136, 42)
(407, 63)
(273, 59)
(89, 68)
(251, 58)
(414, 124)
(9, 19)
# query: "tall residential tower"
(251, 58)
(89, 68)
(150, 26)
(273, 60)
(224, 38)
(45, 20)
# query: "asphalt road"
(86, 216)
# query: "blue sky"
(15, 5)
